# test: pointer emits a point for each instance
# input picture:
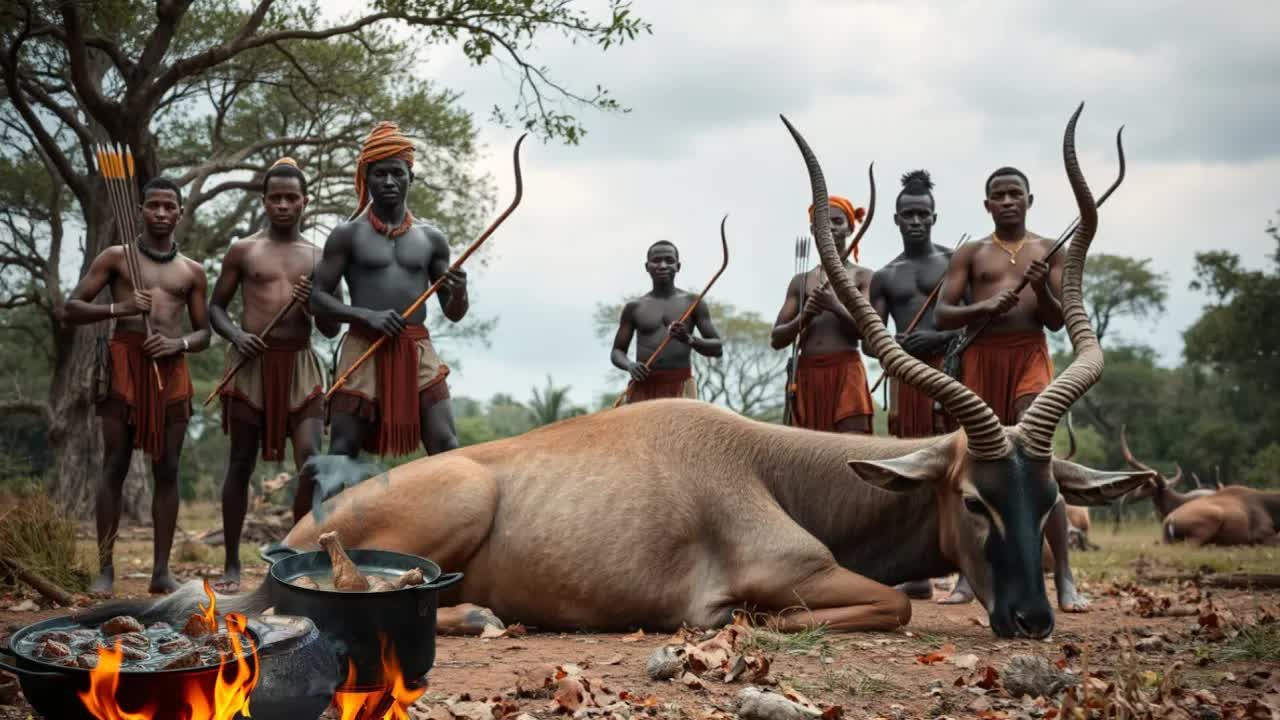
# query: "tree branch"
(10, 62)
(90, 94)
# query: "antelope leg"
(841, 600)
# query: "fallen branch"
(1231, 581)
(38, 582)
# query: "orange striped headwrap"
(385, 141)
(854, 215)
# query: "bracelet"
(111, 312)
(185, 346)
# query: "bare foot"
(162, 583)
(229, 583)
(104, 585)
(960, 594)
(917, 589)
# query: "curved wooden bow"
(724, 244)
(422, 299)
(1062, 240)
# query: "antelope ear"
(1081, 485)
(906, 473)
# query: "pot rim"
(434, 577)
(65, 621)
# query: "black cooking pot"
(286, 646)
(353, 622)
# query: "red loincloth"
(289, 389)
(1005, 367)
(405, 381)
(669, 383)
(829, 389)
(911, 414)
(134, 397)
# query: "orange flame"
(210, 613)
(230, 693)
(103, 681)
(391, 701)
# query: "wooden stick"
(788, 391)
(724, 244)
(342, 380)
(920, 313)
(857, 238)
(1062, 240)
(1237, 581)
(244, 359)
(112, 169)
(41, 584)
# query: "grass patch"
(845, 683)
(1255, 643)
(40, 536)
(793, 643)
(1122, 548)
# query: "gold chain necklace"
(1013, 254)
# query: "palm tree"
(552, 404)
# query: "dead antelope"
(675, 512)
(1162, 490)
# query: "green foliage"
(551, 404)
(1265, 468)
(1118, 286)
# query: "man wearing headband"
(399, 397)
(279, 393)
(830, 386)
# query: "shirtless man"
(279, 392)
(900, 289)
(136, 413)
(388, 258)
(831, 392)
(1009, 364)
(648, 317)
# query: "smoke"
(335, 473)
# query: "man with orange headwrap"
(830, 384)
(388, 258)
(279, 392)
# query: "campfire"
(389, 700)
(237, 676)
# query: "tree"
(552, 404)
(1116, 286)
(1230, 345)
(747, 379)
(211, 94)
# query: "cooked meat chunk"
(346, 576)
(121, 624)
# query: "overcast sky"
(959, 88)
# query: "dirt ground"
(1199, 653)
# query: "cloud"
(958, 88)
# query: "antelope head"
(995, 484)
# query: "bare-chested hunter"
(399, 397)
(136, 413)
(1009, 364)
(279, 393)
(647, 319)
(831, 392)
(900, 289)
